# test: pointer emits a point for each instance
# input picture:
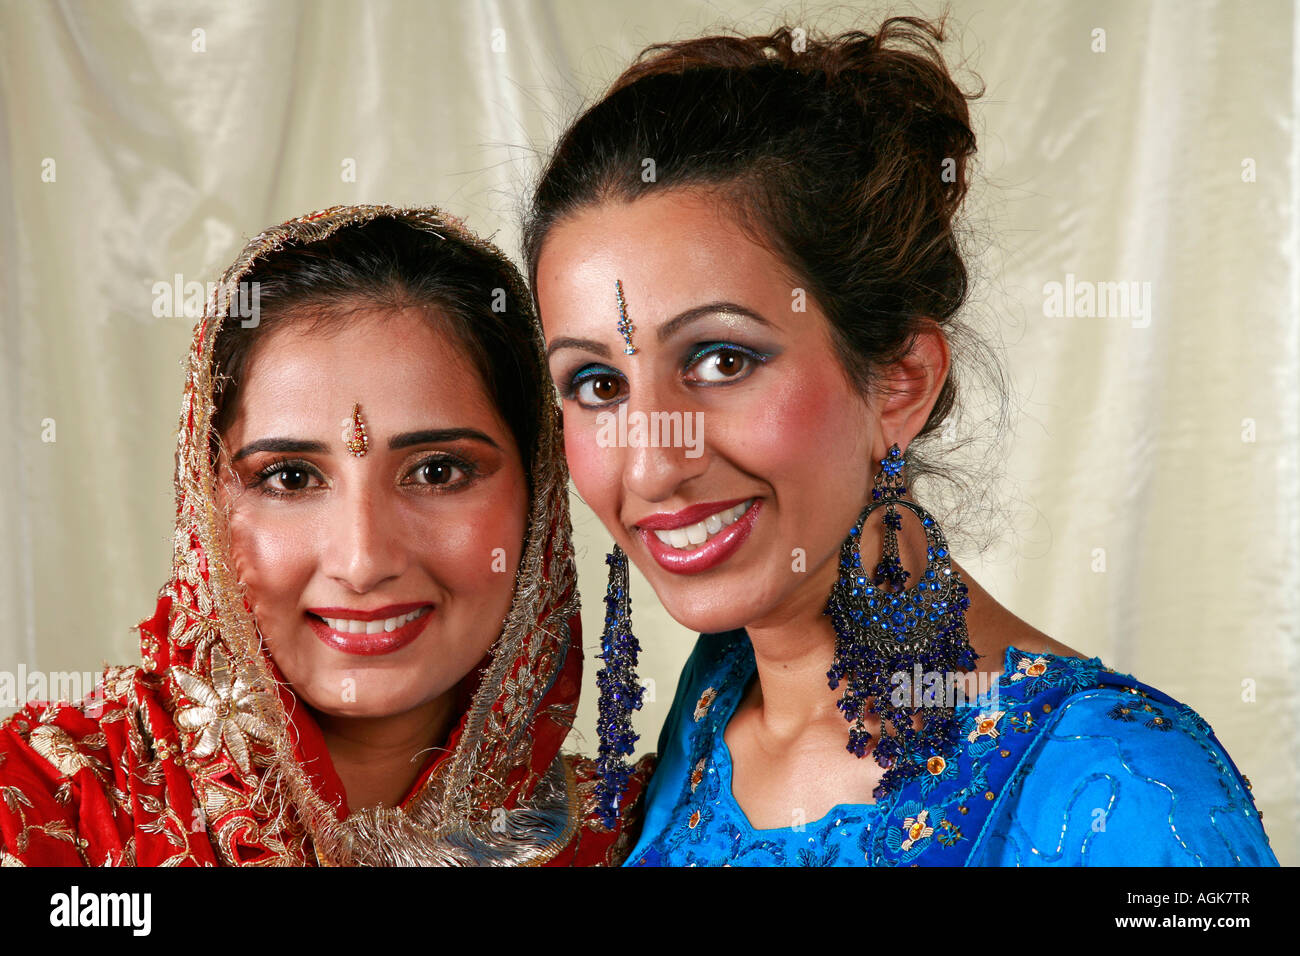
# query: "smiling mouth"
(702, 545)
(387, 625)
(692, 536)
(366, 634)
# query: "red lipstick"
(369, 644)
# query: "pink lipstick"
(700, 537)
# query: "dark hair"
(392, 264)
(847, 155)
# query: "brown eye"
(288, 479)
(437, 472)
(604, 388)
(441, 472)
(291, 479)
(720, 363)
(728, 363)
(597, 389)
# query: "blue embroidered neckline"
(942, 811)
(725, 766)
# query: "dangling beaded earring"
(881, 629)
(620, 690)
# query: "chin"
(711, 615)
(360, 712)
(363, 697)
(743, 601)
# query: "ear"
(911, 386)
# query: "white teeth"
(349, 626)
(696, 534)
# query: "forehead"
(671, 250)
(404, 367)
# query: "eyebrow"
(428, 436)
(433, 436)
(665, 331)
(292, 445)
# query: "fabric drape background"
(1141, 505)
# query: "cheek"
(791, 429)
(472, 551)
(595, 469)
(273, 557)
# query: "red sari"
(202, 755)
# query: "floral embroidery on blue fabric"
(981, 731)
(697, 824)
(1122, 711)
(822, 853)
(697, 773)
(938, 769)
(949, 833)
(1047, 671)
(705, 702)
(1145, 711)
(753, 851)
(1022, 722)
(913, 835)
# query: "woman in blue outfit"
(747, 271)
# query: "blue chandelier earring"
(883, 629)
(620, 691)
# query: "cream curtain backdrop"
(1147, 504)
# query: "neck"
(379, 758)
(794, 647)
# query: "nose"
(668, 448)
(364, 547)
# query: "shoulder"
(67, 733)
(1120, 773)
(713, 668)
(53, 754)
(1082, 700)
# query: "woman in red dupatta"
(203, 755)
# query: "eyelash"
(262, 477)
(589, 372)
(287, 464)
